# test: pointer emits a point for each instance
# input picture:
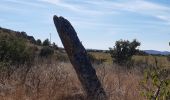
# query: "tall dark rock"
(79, 59)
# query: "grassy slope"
(51, 79)
(162, 61)
(150, 60)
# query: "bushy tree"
(38, 42)
(46, 51)
(123, 51)
(46, 42)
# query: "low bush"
(15, 51)
(46, 51)
(123, 51)
(38, 42)
(156, 83)
(46, 42)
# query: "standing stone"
(79, 59)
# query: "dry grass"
(150, 60)
(138, 60)
(102, 55)
(52, 80)
(120, 84)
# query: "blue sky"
(99, 23)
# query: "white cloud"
(165, 18)
(79, 7)
(25, 3)
(147, 8)
(62, 4)
(103, 7)
(51, 1)
(138, 6)
(141, 5)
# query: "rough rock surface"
(79, 59)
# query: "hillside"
(155, 52)
(17, 34)
(52, 77)
(96, 55)
(18, 47)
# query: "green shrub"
(38, 42)
(156, 83)
(46, 51)
(14, 50)
(123, 51)
(46, 42)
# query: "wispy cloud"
(79, 7)
(62, 4)
(111, 19)
(97, 8)
(144, 7)
(148, 8)
(138, 6)
(35, 4)
(164, 18)
(19, 6)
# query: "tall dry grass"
(53, 80)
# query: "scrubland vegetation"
(36, 70)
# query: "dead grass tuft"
(52, 80)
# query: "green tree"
(14, 50)
(46, 42)
(123, 51)
(38, 42)
(46, 51)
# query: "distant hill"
(31, 40)
(155, 52)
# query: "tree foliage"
(38, 42)
(123, 51)
(46, 51)
(46, 42)
(14, 50)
